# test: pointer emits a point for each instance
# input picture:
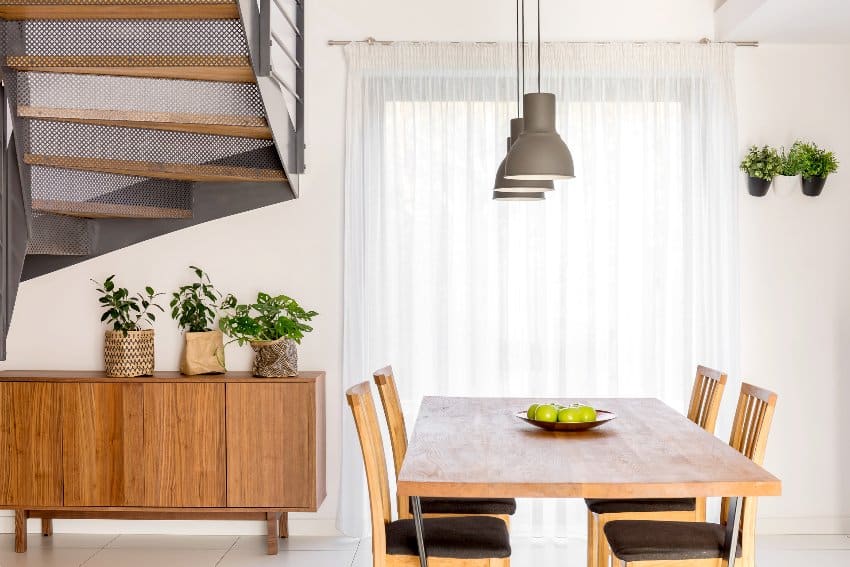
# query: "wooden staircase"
(123, 110)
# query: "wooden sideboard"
(167, 446)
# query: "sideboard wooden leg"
(47, 527)
(272, 522)
(20, 531)
(284, 524)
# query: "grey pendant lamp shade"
(518, 185)
(539, 153)
(518, 196)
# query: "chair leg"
(592, 540)
(47, 527)
(271, 536)
(20, 531)
(603, 552)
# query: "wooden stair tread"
(150, 10)
(213, 124)
(94, 210)
(227, 68)
(177, 171)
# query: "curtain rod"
(703, 41)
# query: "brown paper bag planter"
(130, 355)
(203, 353)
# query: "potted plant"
(761, 165)
(273, 326)
(194, 308)
(813, 164)
(787, 167)
(129, 349)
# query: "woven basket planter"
(275, 359)
(130, 355)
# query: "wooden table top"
(476, 447)
(159, 376)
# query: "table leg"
(733, 527)
(416, 504)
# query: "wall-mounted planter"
(812, 186)
(757, 186)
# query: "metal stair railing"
(275, 33)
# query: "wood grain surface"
(30, 445)
(102, 444)
(475, 447)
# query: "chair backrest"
(372, 445)
(750, 430)
(385, 381)
(705, 397)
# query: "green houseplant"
(128, 348)
(194, 307)
(761, 165)
(273, 326)
(814, 164)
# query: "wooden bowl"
(602, 417)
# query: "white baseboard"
(825, 525)
(297, 527)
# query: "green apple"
(569, 415)
(546, 413)
(532, 410)
(586, 413)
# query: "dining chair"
(706, 394)
(461, 541)
(647, 543)
(502, 508)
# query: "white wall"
(795, 255)
(296, 247)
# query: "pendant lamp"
(539, 153)
(503, 185)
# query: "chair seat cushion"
(647, 540)
(600, 506)
(474, 537)
(469, 506)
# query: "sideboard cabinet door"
(102, 444)
(30, 445)
(184, 463)
(271, 445)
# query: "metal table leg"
(733, 526)
(416, 504)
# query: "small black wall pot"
(812, 186)
(757, 186)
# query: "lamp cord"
(518, 96)
(539, 46)
(523, 55)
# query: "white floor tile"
(256, 557)
(130, 557)
(59, 541)
(134, 541)
(38, 556)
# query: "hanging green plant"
(761, 165)
(814, 164)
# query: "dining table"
(477, 447)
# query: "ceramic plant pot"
(812, 186)
(757, 186)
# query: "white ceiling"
(783, 21)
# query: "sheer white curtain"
(617, 285)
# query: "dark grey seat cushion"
(647, 540)
(470, 506)
(599, 506)
(474, 537)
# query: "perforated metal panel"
(126, 37)
(60, 90)
(109, 142)
(74, 186)
(59, 235)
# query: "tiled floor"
(64, 550)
